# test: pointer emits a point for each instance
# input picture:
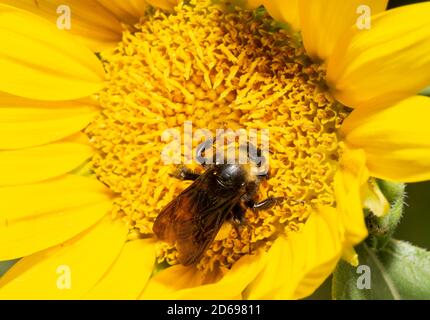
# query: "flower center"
(218, 69)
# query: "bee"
(222, 192)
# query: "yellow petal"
(129, 274)
(299, 264)
(383, 65)
(375, 200)
(41, 163)
(35, 217)
(61, 194)
(348, 183)
(286, 11)
(396, 140)
(350, 255)
(91, 23)
(27, 123)
(38, 61)
(15, 108)
(25, 237)
(324, 22)
(252, 4)
(179, 282)
(163, 4)
(15, 135)
(128, 11)
(166, 282)
(69, 270)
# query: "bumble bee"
(223, 192)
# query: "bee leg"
(183, 173)
(265, 204)
(264, 175)
(238, 218)
(255, 154)
(239, 222)
(238, 214)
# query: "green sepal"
(381, 229)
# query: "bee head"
(232, 176)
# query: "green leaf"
(397, 271)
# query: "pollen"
(230, 69)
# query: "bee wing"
(177, 213)
(195, 238)
(192, 220)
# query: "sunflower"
(83, 112)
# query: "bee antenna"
(203, 147)
(296, 201)
(280, 199)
